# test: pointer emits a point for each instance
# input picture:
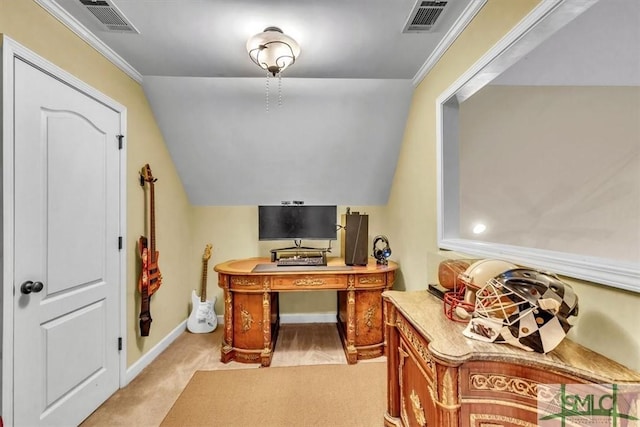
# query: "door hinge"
(119, 243)
(120, 142)
(119, 343)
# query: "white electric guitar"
(203, 318)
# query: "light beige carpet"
(318, 395)
(145, 401)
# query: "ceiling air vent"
(109, 16)
(424, 16)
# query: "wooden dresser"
(437, 377)
(251, 313)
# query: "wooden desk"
(251, 312)
(438, 377)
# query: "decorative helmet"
(459, 303)
(455, 306)
(525, 308)
(480, 272)
(449, 272)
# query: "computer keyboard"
(301, 261)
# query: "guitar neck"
(153, 222)
(203, 286)
(144, 299)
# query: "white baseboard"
(148, 357)
(308, 318)
(300, 318)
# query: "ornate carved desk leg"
(226, 352)
(393, 382)
(267, 352)
(351, 351)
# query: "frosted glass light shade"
(273, 50)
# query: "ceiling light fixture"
(272, 50)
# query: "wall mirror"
(539, 145)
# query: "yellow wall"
(608, 317)
(30, 25)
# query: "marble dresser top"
(446, 342)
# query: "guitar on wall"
(145, 309)
(150, 277)
(203, 318)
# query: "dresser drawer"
(506, 382)
(497, 414)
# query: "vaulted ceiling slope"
(577, 55)
(328, 133)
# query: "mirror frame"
(536, 27)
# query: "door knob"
(29, 286)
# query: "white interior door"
(66, 201)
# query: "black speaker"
(355, 238)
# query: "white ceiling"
(333, 141)
(355, 39)
(336, 137)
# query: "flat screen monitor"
(287, 222)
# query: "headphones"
(381, 254)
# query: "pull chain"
(266, 97)
(279, 89)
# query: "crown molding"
(456, 29)
(85, 34)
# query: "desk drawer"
(246, 283)
(378, 280)
(308, 281)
